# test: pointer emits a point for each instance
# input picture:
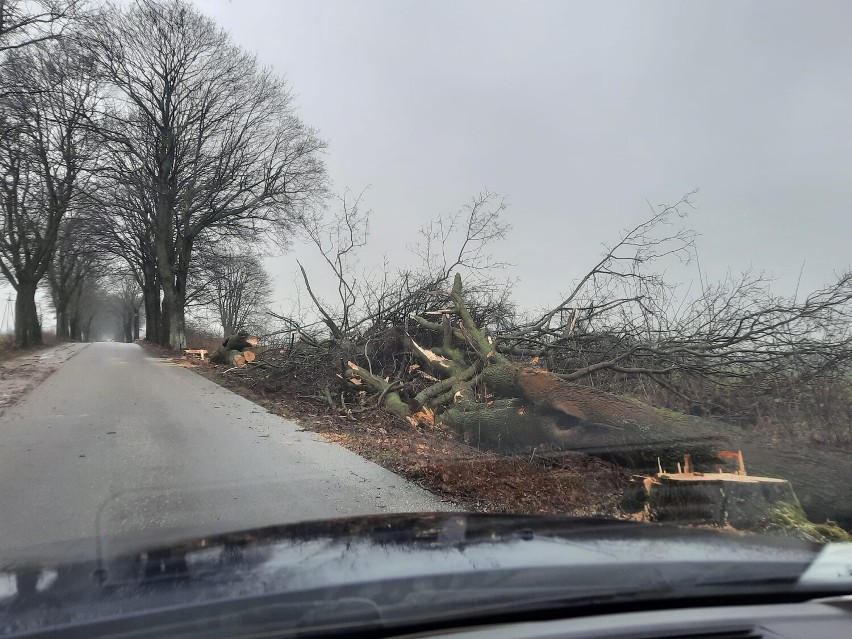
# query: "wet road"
(118, 447)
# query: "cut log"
(234, 358)
(249, 356)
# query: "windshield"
(559, 291)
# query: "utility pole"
(7, 324)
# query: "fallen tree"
(536, 384)
(500, 403)
(506, 405)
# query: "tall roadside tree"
(223, 155)
(45, 150)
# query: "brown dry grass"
(8, 350)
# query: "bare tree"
(222, 152)
(45, 148)
(74, 263)
(238, 288)
(26, 22)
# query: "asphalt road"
(118, 447)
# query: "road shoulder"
(20, 374)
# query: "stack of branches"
(497, 401)
(621, 319)
(411, 340)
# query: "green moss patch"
(792, 517)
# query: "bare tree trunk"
(127, 324)
(62, 323)
(174, 293)
(74, 327)
(87, 331)
(177, 327)
(165, 319)
(171, 275)
(151, 297)
(27, 326)
(136, 323)
(173, 321)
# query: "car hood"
(394, 564)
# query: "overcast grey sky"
(577, 112)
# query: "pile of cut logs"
(237, 350)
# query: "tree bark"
(172, 278)
(165, 319)
(177, 327)
(27, 327)
(136, 323)
(87, 331)
(62, 332)
(127, 325)
(229, 357)
(74, 331)
(151, 297)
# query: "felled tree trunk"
(234, 358)
(228, 357)
(240, 342)
(618, 428)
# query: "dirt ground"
(431, 456)
(22, 371)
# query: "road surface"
(118, 447)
